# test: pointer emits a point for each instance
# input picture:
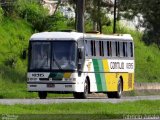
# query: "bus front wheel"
(82, 95)
(77, 95)
(86, 90)
(42, 94)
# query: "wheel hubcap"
(120, 89)
(86, 89)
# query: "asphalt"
(72, 100)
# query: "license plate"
(50, 85)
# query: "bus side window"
(88, 48)
(125, 49)
(93, 48)
(113, 49)
(105, 48)
(121, 49)
(131, 48)
(101, 48)
(109, 48)
(97, 48)
(117, 49)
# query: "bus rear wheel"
(118, 93)
(42, 94)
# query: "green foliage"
(57, 22)
(39, 18)
(8, 6)
(33, 12)
(1, 14)
(150, 10)
(14, 39)
(95, 9)
(96, 13)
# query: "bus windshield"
(64, 55)
(56, 55)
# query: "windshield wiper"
(57, 63)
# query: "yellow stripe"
(106, 69)
(67, 75)
(105, 65)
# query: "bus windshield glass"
(56, 55)
(40, 55)
(64, 55)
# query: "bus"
(80, 63)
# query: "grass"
(14, 38)
(107, 110)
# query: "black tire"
(82, 95)
(116, 94)
(110, 94)
(77, 95)
(42, 95)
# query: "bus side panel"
(111, 81)
(133, 78)
(106, 79)
(99, 75)
(128, 81)
(88, 69)
(125, 80)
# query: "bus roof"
(109, 37)
(75, 36)
(57, 36)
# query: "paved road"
(72, 100)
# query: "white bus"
(78, 63)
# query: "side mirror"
(79, 67)
(80, 52)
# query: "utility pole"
(80, 6)
(115, 17)
(99, 19)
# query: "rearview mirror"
(80, 52)
(79, 67)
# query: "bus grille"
(47, 79)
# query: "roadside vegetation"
(27, 18)
(85, 111)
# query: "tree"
(7, 6)
(96, 11)
(150, 11)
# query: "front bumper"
(55, 87)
